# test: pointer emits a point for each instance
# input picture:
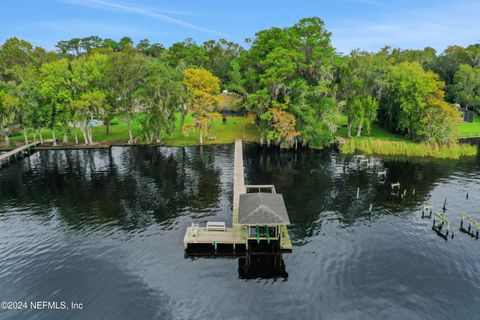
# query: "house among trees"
(467, 115)
(229, 103)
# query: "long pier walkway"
(238, 180)
(19, 152)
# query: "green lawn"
(470, 129)
(377, 132)
(235, 128)
(380, 141)
(380, 133)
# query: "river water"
(104, 228)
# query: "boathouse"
(259, 220)
(262, 215)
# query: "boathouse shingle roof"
(262, 209)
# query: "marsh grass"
(404, 148)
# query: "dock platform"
(285, 242)
(236, 236)
(204, 236)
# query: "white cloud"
(454, 23)
(148, 12)
(80, 27)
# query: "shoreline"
(375, 147)
(379, 147)
(108, 145)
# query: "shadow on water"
(250, 265)
(81, 276)
(262, 266)
(260, 261)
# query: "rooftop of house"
(262, 209)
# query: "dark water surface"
(105, 228)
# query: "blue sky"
(364, 24)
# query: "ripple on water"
(105, 228)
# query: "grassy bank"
(377, 133)
(470, 130)
(235, 128)
(379, 142)
(404, 148)
(383, 142)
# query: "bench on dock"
(215, 226)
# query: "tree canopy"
(292, 70)
(414, 95)
(202, 87)
(292, 79)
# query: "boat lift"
(427, 208)
(473, 226)
(442, 228)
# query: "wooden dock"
(235, 236)
(285, 242)
(238, 180)
(19, 152)
(204, 236)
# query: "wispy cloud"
(69, 28)
(82, 27)
(452, 23)
(162, 15)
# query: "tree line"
(292, 79)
